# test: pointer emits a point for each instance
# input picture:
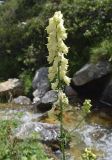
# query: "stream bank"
(93, 82)
(95, 132)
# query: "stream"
(95, 132)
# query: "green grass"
(13, 149)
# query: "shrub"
(102, 51)
(22, 23)
(26, 78)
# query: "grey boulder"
(91, 72)
(23, 100)
(40, 82)
(106, 97)
(47, 101)
(11, 87)
(45, 132)
(70, 92)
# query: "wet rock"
(49, 97)
(106, 97)
(68, 156)
(36, 100)
(47, 132)
(91, 72)
(47, 101)
(97, 137)
(70, 92)
(23, 100)
(11, 87)
(40, 82)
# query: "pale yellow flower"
(52, 73)
(62, 47)
(51, 57)
(58, 17)
(52, 46)
(64, 62)
(57, 49)
(62, 97)
(67, 80)
(61, 32)
(55, 84)
(52, 26)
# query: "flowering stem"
(59, 66)
(61, 117)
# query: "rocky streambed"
(37, 117)
(95, 132)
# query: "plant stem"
(77, 125)
(62, 131)
(61, 117)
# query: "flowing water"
(95, 132)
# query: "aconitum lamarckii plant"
(58, 65)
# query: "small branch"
(77, 126)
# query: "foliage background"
(23, 34)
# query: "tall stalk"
(62, 133)
(61, 118)
(58, 70)
(59, 65)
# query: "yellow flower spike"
(57, 49)
(58, 71)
